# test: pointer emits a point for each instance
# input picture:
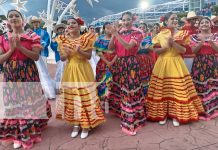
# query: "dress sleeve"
(1, 43)
(54, 46)
(156, 41)
(45, 41)
(36, 41)
(216, 38)
(87, 41)
(183, 37)
(193, 40)
(60, 40)
(137, 37)
(187, 41)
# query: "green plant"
(215, 10)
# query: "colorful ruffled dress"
(126, 95)
(171, 91)
(103, 72)
(79, 103)
(22, 95)
(215, 30)
(205, 76)
(146, 64)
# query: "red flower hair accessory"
(162, 19)
(80, 21)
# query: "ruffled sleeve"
(156, 41)
(36, 41)
(33, 37)
(137, 37)
(101, 45)
(87, 41)
(194, 40)
(1, 43)
(146, 41)
(60, 40)
(215, 38)
(182, 37)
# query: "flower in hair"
(80, 21)
(162, 19)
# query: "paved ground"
(196, 136)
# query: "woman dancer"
(107, 57)
(205, 70)
(22, 96)
(171, 93)
(79, 104)
(127, 94)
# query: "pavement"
(202, 135)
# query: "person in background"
(155, 30)
(98, 31)
(144, 27)
(107, 58)
(58, 30)
(91, 29)
(48, 84)
(196, 25)
(205, 67)
(36, 22)
(214, 20)
(83, 30)
(192, 28)
(147, 57)
(95, 58)
(146, 62)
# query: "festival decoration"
(20, 5)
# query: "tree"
(215, 10)
(182, 14)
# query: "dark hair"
(27, 26)
(156, 24)
(166, 17)
(105, 24)
(90, 26)
(83, 32)
(206, 19)
(144, 24)
(16, 11)
(127, 13)
(78, 20)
